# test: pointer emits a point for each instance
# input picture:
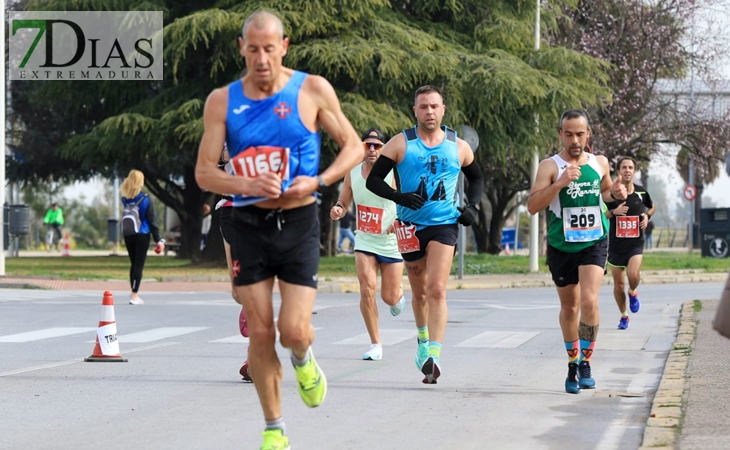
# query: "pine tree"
(374, 52)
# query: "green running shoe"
(311, 382)
(275, 440)
(421, 354)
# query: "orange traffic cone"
(506, 250)
(66, 248)
(107, 346)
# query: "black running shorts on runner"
(619, 257)
(445, 234)
(268, 243)
(564, 266)
(226, 214)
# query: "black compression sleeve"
(376, 180)
(476, 182)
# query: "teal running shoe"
(571, 382)
(421, 354)
(585, 380)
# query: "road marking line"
(520, 307)
(643, 383)
(158, 333)
(499, 339)
(387, 337)
(45, 334)
(72, 361)
(621, 340)
(615, 431)
(238, 339)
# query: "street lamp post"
(535, 219)
(472, 138)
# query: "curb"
(669, 404)
(11, 285)
(509, 282)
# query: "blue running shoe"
(421, 354)
(431, 370)
(571, 382)
(623, 323)
(585, 380)
(634, 303)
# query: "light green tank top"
(373, 213)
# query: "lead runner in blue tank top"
(427, 161)
(270, 120)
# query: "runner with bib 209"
(574, 185)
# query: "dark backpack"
(131, 222)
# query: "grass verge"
(117, 267)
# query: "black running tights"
(137, 246)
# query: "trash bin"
(715, 232)
(112, 230)
(18, 219)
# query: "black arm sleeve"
(376, 180)
(151, 217)
(473, 174)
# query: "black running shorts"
(226, 213)
(620, 257)
(445, 234)
(280, 243)
(564, 266)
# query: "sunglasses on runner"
(375, 145)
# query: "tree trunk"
(191, 216)
(214, 252)
(480, 232)
(494, 244)
(327, 240)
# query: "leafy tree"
(375, 53)
(646, 42)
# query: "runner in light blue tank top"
(431, 172)
(427, 160)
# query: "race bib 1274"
(370, 219)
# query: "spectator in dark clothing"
(138, 243)
(346, 231)
(648, 233)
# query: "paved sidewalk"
(690, 409)
(338, 285)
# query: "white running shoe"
(374, 354)
(136, 301)
(398, 307)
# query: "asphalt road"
(504, 366)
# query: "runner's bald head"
(260, 20)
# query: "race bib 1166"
(254, 161)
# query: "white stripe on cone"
(107, 313)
